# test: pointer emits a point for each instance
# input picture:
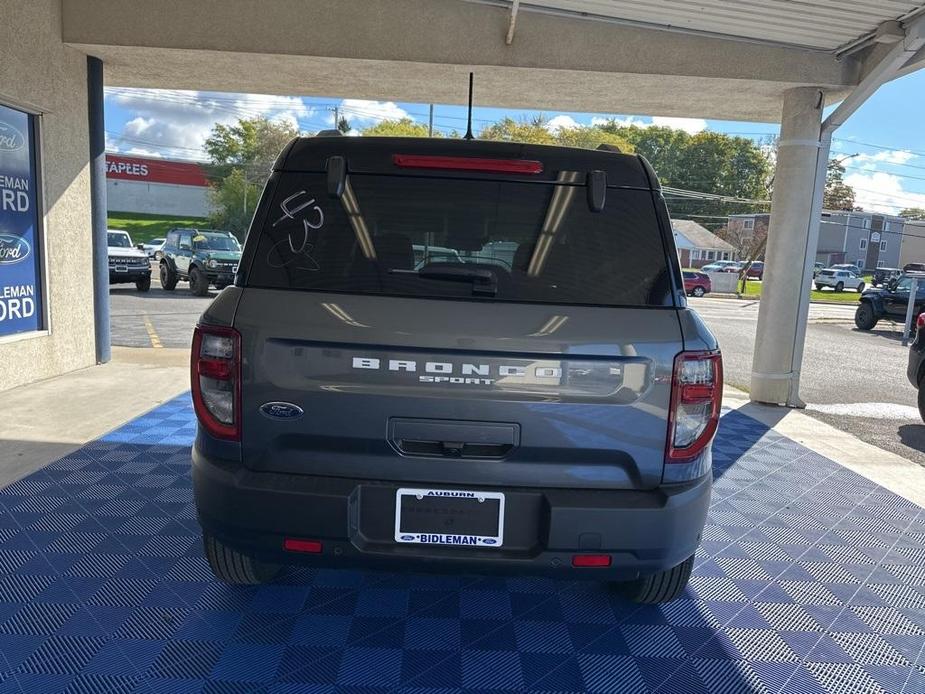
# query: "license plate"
(449, 517)
(121, 268)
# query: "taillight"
(421, 161)
(216, 380)
(696, 397)
(920, 321)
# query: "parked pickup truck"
(890, 303)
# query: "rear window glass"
(457, 238)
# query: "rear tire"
(168, 277)
(839, 287)
(198, 282)
(698, 291)
(235, 568)
(144, 284)
(664, 586)
(818, 287)
(921, 400)
(860, 288)
(864, 317)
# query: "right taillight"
(216, 380)
(920, 321)
(696, 397)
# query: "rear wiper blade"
(483, 281)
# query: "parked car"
(696, 283)
(127, 264)
(914, 267)
(153, 246)
(847, 267)
(354, 411)
(915, 369)
(202, 257)
(889, 303)
(720, 266)
(755, 271)
(884, 275)
(838, 280)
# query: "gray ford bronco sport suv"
(544, 411)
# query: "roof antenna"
(469, 123)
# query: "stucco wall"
(157, 198)
(39, 73)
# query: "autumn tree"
(838, 194)
(404, 127)
(241, 157)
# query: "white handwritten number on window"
(302, 252)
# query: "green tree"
(536, 132)
(241, 157)
(708, 162)
(838, 194)
(404, 127)
(913, 213)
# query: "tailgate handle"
(452, 439)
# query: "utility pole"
(337, 117)
(430, 123)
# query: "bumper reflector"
(590, 561)
(291, 544)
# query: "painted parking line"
(152, 334)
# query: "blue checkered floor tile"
(810, 579)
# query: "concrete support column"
(796, 206)
(97, 129)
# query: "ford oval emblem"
(13, 249)
(281, 410)
(11, 139)
(407, 538)
(489, 541)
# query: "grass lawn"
(753, 289)
(144, 227)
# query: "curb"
(742, 297)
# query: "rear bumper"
(643, 531)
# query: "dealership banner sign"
(20, 269)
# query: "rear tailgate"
(456, 392)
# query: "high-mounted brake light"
(215, 379)
(696, 398)
(421, 161)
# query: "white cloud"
(689, 125)
(882, 192)
(180, 121)
(560, 122)
(370, 112)
(889, 156)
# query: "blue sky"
(886, 135)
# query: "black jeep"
(203, 257)
(889, 303)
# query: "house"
(698, 246)
(866, 239)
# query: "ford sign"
(11, 140)
(281, 410)
(13, 249)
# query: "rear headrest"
(394, 251)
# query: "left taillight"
(216, 380)
(696, 398)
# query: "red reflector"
(219, 369)
(591, 560)
(696, 392)
(920, 321)
(291, 544)
(417, 161)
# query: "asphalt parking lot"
(852, 380)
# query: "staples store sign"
(154, 171)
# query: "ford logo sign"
(407, 538)
(489, 541)
(281, 410)
(13, 249)
(11, 139)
